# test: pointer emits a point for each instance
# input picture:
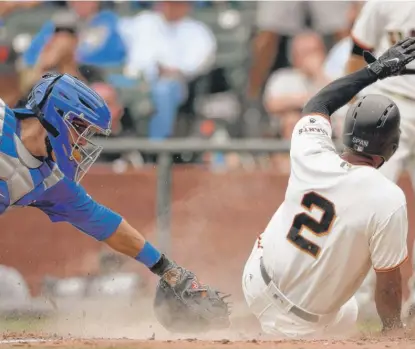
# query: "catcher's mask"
(72, 113)
(371, 127)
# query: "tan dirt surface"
(195, 344)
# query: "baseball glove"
(182, 304)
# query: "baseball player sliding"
(46, 149)
(340, 215)
(380, 25)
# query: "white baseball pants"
(276, 320)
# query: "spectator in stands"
(287, 18)
(7, 7)
(99, 42)
(59, 54)
(170, 50)
(337, 57)
(110, 95)
(9, 76)
(288, 89)
(336, 62)
(120, 161)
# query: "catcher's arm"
(182, 302)
(69, 202)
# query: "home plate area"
(30, 340)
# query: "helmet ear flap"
(394, 147)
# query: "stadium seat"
(18, 23)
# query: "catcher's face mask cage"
(84, 152)
(72, 114)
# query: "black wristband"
(357, 50)
(161, 266)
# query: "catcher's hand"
(183, 304)
(394, 60)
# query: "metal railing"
(165, 149)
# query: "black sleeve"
(339, 92)
(357, 50)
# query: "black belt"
(297, 311)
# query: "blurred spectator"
(276, 19)
(62, 45)
(336, 61)
(7, 7)
(170, 50)
(109, 94)
(99, 42)
(9, 76)
(337, 57)
(59, 55)
(119, 162)
(288, 89)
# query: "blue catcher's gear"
(27, 181)
(71, 113)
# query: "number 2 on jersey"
(305, 221)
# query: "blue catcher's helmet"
(72, 114)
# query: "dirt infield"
(102, 326)
(364, 343)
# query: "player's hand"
(394, 60)
(399, 331)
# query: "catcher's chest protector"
(23, 178)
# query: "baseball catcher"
(46, 149)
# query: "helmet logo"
(359, 144)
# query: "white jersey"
(380, 25)
(336, 221)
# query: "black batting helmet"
(371, 126)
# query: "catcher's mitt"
(182, 304)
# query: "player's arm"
(366, 33)
(199, 305)
(69, 202)
(339, 92)
(388, 298)
(388, 249)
